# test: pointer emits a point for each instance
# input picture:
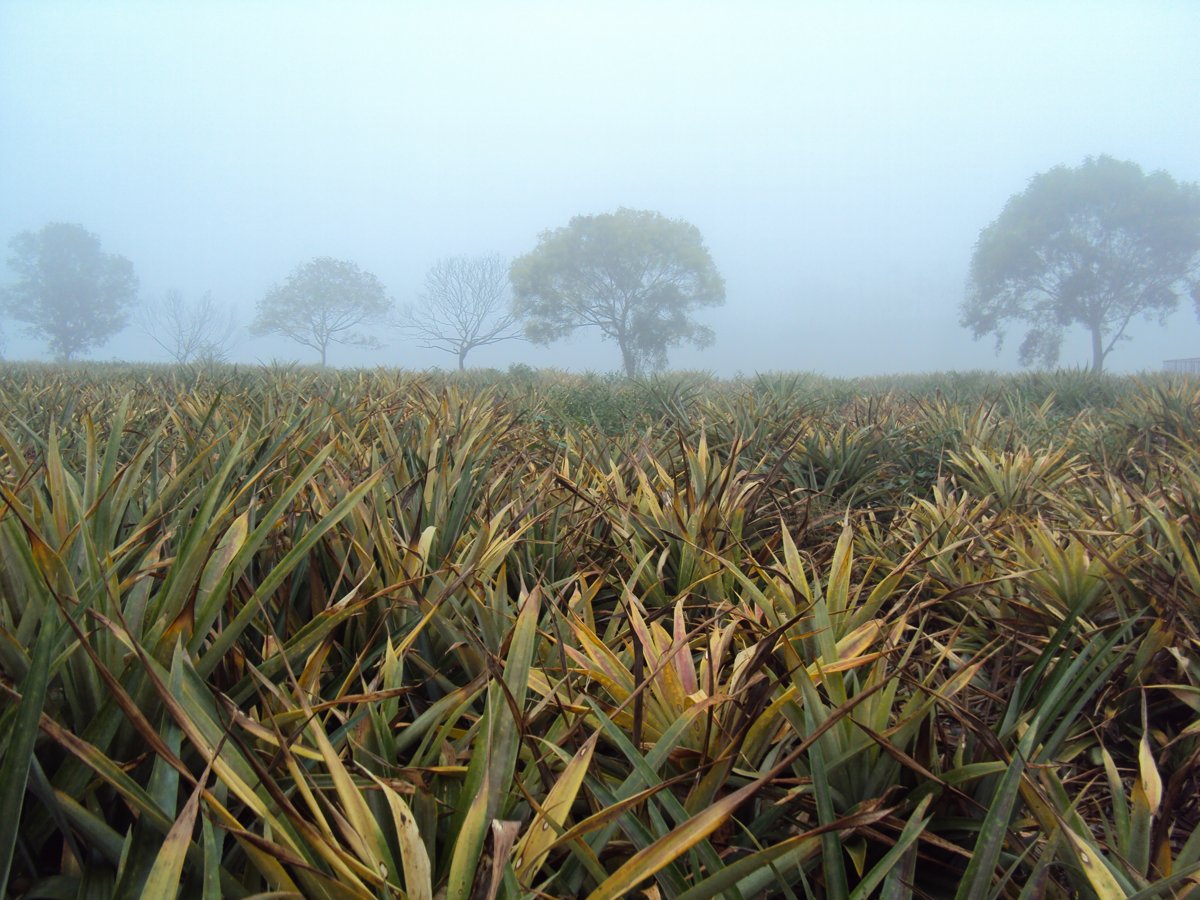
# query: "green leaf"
(14, 771)
(993, 834)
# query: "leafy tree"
(465, 305)
(634, 274)
(321, 303)
(68, 291)
(191, 331)
(1095, 246)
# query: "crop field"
(284, 632)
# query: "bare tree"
(192, 330)
(465, 305)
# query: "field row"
(373, 634)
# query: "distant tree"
(636, 275)
(465, 304)
(321, 303)
(68, 292)
(1096, 246)
(191, 331)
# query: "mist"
(840, 161)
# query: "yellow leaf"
(671, 846)
(163, 880)
(543, 830)
(1150, 779)
(414, 857)
(1098, 876)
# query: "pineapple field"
(284, 632)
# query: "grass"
(359, 634)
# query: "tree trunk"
(1097, 350)
(627, 358)
(324, 347)
(462, 358)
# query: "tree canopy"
(68, 291)
(321, 303)
(465, 304)
(1095, 246)
(635, 275)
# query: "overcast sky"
(840, 159)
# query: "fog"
(839, 159)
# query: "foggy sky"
(839, 159)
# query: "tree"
(636, 275)
(68, 291)
(321, 303)
(465, 305)
(192, 331)
(1095, 246)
